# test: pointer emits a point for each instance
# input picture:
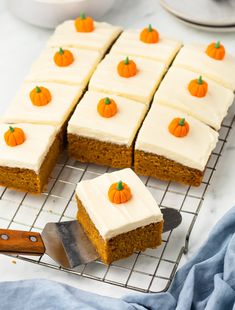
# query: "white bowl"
(50, 13)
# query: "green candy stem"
(82, 15)
(126, 61)
(11, 129)
(200, 81)
(150, 29)
(119, 186)
(38, 90)
(217, 44)
(107, 100)
(182, 121)
(61, 51)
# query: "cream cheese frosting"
(129, 43)
(99, 39)
(112, 219)
(140, 87)
(78, 73)
(192, 150)
(63, 100)
(210, 109)
(193, 57)
(119, 129)
(30, 154)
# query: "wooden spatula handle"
(21, 242)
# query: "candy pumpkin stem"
(119, 186)
(107, 100)
(38, 90)
(11, 129)
(200, 81)
(217, 44)
(126, 61)
(182, 121)
(61, 51)
(82, 15)
(150, 29)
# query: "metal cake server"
(64, 242)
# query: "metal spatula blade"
(172, 218)
(65, 242)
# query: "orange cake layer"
(165, 169)
(99, 152)
(124, 244)
(28, 180)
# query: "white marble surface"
(22, 43)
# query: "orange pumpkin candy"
(14, 136)
(149, 35)
(119, 193)
(40, 96)
(216, 51)
(63, 58)
(198, 87)
(84, 23)
(127, 68)
(178, 127)
(107, 107)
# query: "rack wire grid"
(148, 271)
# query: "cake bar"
(118, 214)
(173, 146)
(103, 138)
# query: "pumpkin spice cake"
(45, 103)
(84, 33)
(28, 154)
(102, 129)
(195, 95)
(68, 66)
(118, 214)
(173, 146)
(211, 61)
(146, 43)
(135, 78)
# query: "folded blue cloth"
(206, 282)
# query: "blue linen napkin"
(206, 282)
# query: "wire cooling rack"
(149, 271)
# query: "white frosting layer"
(193, 57)
(210, 109)
(44, 68)
(100, 39)
(113, 219)
(192, 151)
(129, 43)
(30, 154)
(119, 129)
(64, 99)
(140, 87)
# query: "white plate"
(206, 28)
(204, 12)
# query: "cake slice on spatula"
(64, 242)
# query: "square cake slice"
(44, 69)
(139, 87)
(129, 43)
(28, 154)
(211, 109)
(96, 136)
(43, 103)
(120, 220)
(173, 146)
(194, 57)
(99, 39)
